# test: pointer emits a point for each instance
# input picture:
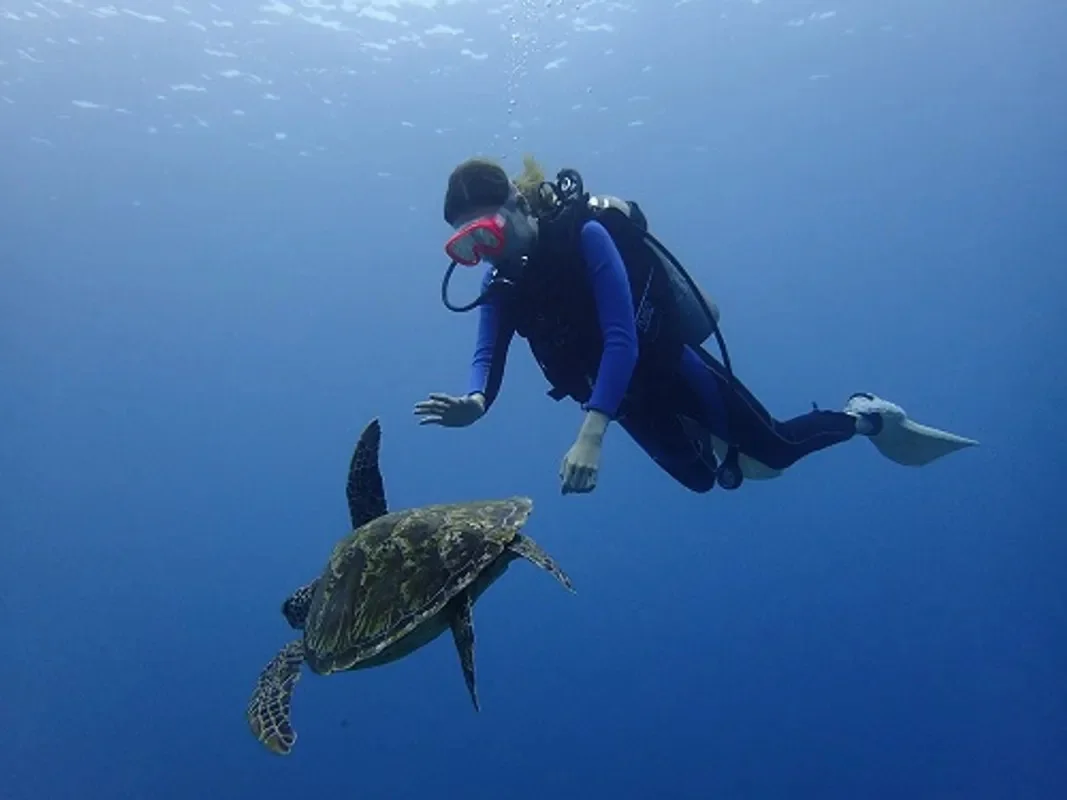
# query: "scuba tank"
(697, 313)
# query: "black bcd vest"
(555, 309)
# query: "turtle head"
(295, 608)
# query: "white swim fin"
(901, 439)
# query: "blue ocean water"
(220, 246)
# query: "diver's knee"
(699, 484)
(694, 476)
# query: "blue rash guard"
(615, 312)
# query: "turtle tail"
(268, 709)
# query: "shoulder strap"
(628, 208)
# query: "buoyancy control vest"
(555, 310)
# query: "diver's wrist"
(478, 399)
(594, 425)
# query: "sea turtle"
(394, 584)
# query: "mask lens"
(483, 238)
(461, 250)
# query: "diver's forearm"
(594, 426)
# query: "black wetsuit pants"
(660, 414)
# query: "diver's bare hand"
(450, 411)
(581, 465)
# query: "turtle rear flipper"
(462, 623)
(530, 550)
(268, 709)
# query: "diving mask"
(485, 237)
(501, 235)
(504, 237)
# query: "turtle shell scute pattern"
(397, 571)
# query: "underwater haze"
(221, 244)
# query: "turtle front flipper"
(364, 489)
(268, 709)
(461, 621)
(530, 550)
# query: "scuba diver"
(617, 324)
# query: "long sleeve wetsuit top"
(614, 306)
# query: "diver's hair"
(475, 183)
(529, 183)
(479, 182)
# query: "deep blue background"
(193, 332)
